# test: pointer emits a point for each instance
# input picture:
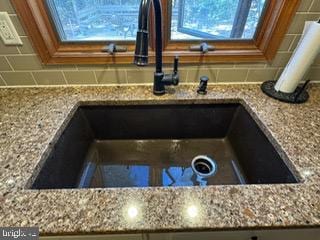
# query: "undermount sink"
(154, 145)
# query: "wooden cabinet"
(296, 234)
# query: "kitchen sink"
(162, 145)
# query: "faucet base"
(158, 85)
(159, 93)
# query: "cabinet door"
(97, 237)
(298, 234)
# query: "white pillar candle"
(301, 60)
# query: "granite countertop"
(32, 118)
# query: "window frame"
(239, 22)
(263, 47)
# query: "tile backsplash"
(21, 66)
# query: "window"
(90, 20)
(77, 31)
(215, 20)
(80, 20)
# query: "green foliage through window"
(117, 20)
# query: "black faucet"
(142, 44)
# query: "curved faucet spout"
(142, 42)
(141, 54)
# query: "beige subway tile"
(6, 6)
(122, 66)
(280, 70)
(28, 62)
(114, 76)
(204, 65)
(49, 78)
(298, 23)
(57, 67)
(146, 75)
(18, 26)
(80, 77)
(304, 5)
(7, 49)
(140, 75)
(261, 75)
(208, 65)
(315, 6)
(92, 67)
(314, 74)
(164, 65)
(317, 61)
(18, 78)
(195, 74)
(281, 59)
(33, 62)
(295, 42)
(286, 43)
(4, 66)
(2, 83)
(219, 65)
(232, 75)
(134, 67)
(149, 68)
(27, 47)
(249, 65)
(183, 74)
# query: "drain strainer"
(204, 166)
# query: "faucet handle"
(203, 48)
(176, 65)
(113, 48)
(175, 75)
(172, 78)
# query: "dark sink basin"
(154, 145)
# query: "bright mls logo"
(25, 233)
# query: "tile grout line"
(42, 70)
(2, 78)
(278, 74)
(18, 50)
(247, 76)
(18, 55)
(95, 77)
(33, 77)
(217, 77)
(126, 76)
(187, 76)
(309, 9)
(64, 77)
(307, 13)
(291, 44)
(9, 63)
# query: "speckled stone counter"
(31, 120)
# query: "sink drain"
(204, 166)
